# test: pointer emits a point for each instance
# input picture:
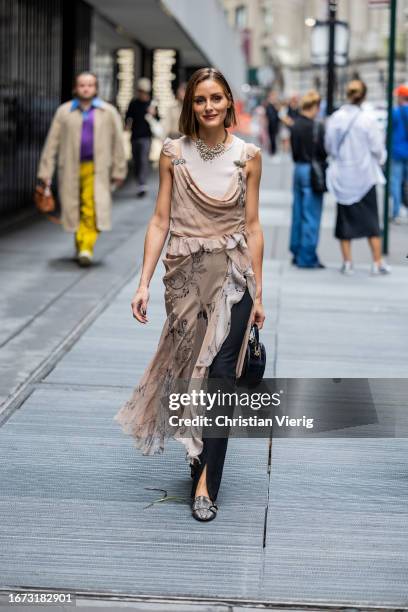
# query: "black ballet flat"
(203, 509)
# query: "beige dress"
(207, 269)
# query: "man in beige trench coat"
(85, 142)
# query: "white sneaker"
(397, 220)
(347, 268)
(84, 258)
(380, 268)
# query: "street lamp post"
(330, 60)
(329, 48)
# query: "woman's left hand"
(258, 315)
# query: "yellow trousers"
(87, 233)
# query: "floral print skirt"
(203, 280)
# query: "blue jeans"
(306, 215)
(399, 174)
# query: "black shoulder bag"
(318, 167)
(255, 360)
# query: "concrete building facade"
(278, 34)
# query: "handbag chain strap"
(255, 340)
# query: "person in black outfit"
(293, 107)
(272, 115)
(307, 142)
(141, 133)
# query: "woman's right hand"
(139, 304)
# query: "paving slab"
(46, 298)
(338, 514)
(73, 507)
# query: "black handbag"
(255, 360)
(318, 176)
(318, 167)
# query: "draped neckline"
(234, 186)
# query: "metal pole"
(390, 87)
(330, 61)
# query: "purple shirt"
(87, 136)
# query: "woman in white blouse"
(355, 144)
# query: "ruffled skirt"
(204, 278)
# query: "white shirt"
(213, 176)
(355, 168)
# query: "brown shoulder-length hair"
(188, 124)
(309, 100)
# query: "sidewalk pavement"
(321, 322)
(47, 301)
(306, 522)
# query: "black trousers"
(223, 368)
(273, 134)
(140, 154)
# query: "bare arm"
(254, 232)
(155, 238)
(287, 120)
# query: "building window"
(267, 18)
(241, 17)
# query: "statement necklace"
(208, 153)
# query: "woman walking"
(208, 199)
(355, 145)
(307, 142)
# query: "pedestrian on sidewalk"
(356, 148)
(307, 143)
(272, 115)
(208, 199)
(172, 118)
(399, 168)
(137, 121)
(293, 107)
(288, 114)
(86, 135)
